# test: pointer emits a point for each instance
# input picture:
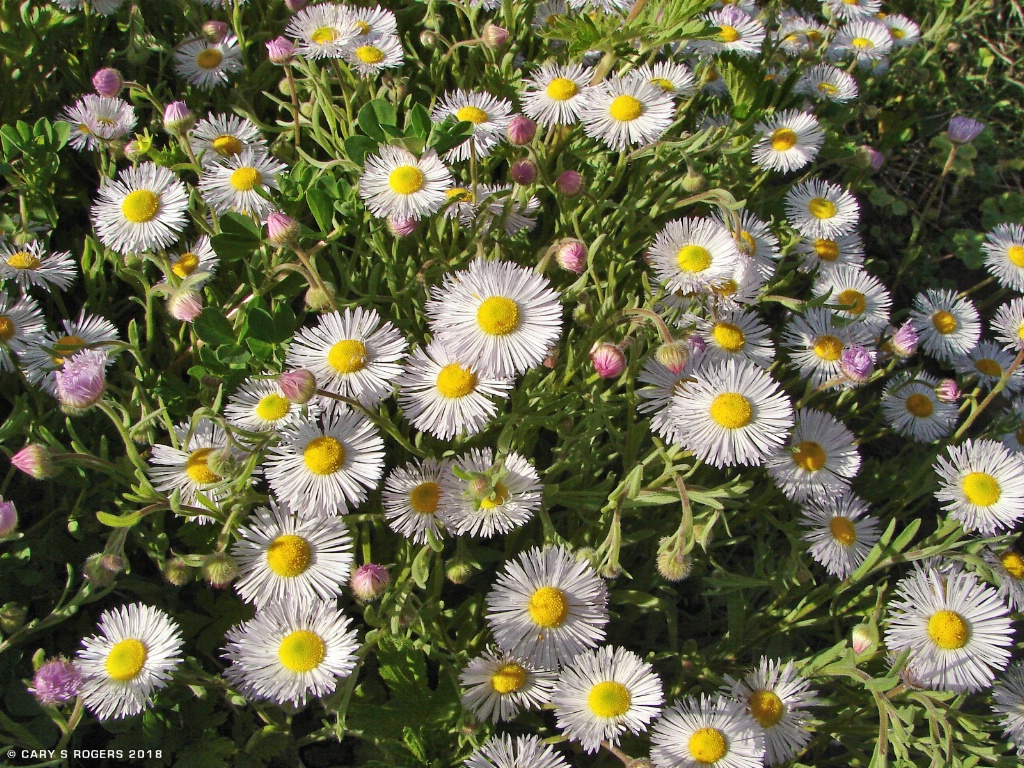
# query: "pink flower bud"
(185, 305)
(608, 360)
(8, 517)
(35, 461)
(572, 255)
(569, 183)
(178, 118)
(401, 226)
(521, 130)
(697, 344)
(281, 230)
(369, 581)
(280, 50)
(856, 364)
(861, 639)
(523, 172)
(108, 82)
(297, 386)
(948, 391)
(905, 340)
(133, 150)
(875, 158)
(295, 5)
(215, 31)
(494, 36)
(674, 356)
(551, 359)
(56, 682)
(82, 379)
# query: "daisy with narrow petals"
(411, 497)
(371, 56)
(207, 64)
(97, 119)
(231, 185)
(322, 31)
(709, 731)
(694, 255)
(371, 23)
(815, 343)
(738, 33)
(500, 751)
(496, 317)
(850, 10)
(904, 31)
(1008, 698)
(755, 240)
(555, 94)
(789, 140)
(547, 607)
(912, 408)
(511, 496)
(604, 693)
(981, 485)
(291, 650)
(825, 82)
(948, 325)
(840, 531)
(441, 395)
(736, 336)
(44, 355)
(826, 253)
(957, 629)
(353, 353)
(185, 466)
(777, 698)
(488, 115)
(672, 77)
(1008, 567)
(216, 138)
(498, 686)
(865, 40)
(259, 405)
(855, 295)
(324, 470)
(282, 555)
(198, 258)
(733, 412)
(30, 264)
(134, 655)
(21, 323)
(1008, 324)
(819, 459)
(799, 34)
(626, 111)
(817, 208)
(143, 209)
(396, 184)
(1004, 255)
(986, 364)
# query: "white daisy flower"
(855, 295)
(207, 64)
(321, 471)
(21, 325)
(96, 119)
(351, 353)
(947, 325)
(825, 82)
(957, 629)
(100, 7)
(865, 40)
(800, 34)
(736, 336)
(1004, 255)
(322, 31)
(817, 208)
(815, 343)
(555, 94)
(291, 650)
(736, 292)
(826, 253)
(840, 531)
(987, 363)
(697, 733)
(738, 34)
(1008, 324)
(441, 395)
(693, 255)
(372, 55)
(850, 10)
(498, 686)
(501, 752)
(144, 209)
(259, 405)
(29, 264)
(488, 115)
(713, 84)
(662, 386)
(371, 22)
(496, 317)
(733, 413)
(547, 13)
(602, 694)
(625, 111)
(218, 137)
(777, 698)
(489, 204)
(1008, 698)
(755, 240)
(904, 30)
(43, 356)
(395, 184)
(135, 653)
(547, 607)
(199, 258)
(1008, 567)
(911, 407)
(231, 185)
(411, 498)
(186, 469)
(514, 497)
(789, 140)
(819, 458)
(981, 485)
(282, 555)
(672, 77)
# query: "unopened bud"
(905, 340)
(551, 358)
(108, 82)
(96, 573)
(297, 386)
(458, 571)
(400, 226)
(34, 461)
(82, 380)
(223, 462)
(674, 566)
(321, 299)
(135, 150)
(8, 517)
(178, 119)
(521, 130)
(693, 181)
(185, 305)
(215, 31)
(948, 391)
(608, 360)
(280, 50)
(12, 617)
(219, 570)
(281, 230)
(428, 38)
(481, 487)
(295, 5)
(964, 130)
(113, 563)
(494, 36)
(861, 639)
(674, 356)
(572, 256)
(177, 572)
(369, 581)
(523, 172)
(56, 682)
(856, 364)
(569, 183)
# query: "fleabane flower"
(186, 467)
(411, 499)
(232, 185)
(97, 119)
(372, 55)
(555, 95)
(500, 751)
(218, 137)
(855, 295)
(819, 458)
(30, 264)
(912, 408)
(817, 208)
(947, 324)
(850, 10)
(694, 255)
(866, 40)
(1008, 324)
(143, 209)
(1004, 255)
(709, 731)
(509, 495)
(45, 355)
(207, 64)
(21, 324)
(840, 531)
(498, 686)
(738, 33)
(981, 485)
(826, 82)
(488, 115)
(397, 184)
(789, 140)
(626, 111)
(1008, 698)
(987, 363)
(672, 77)
(322, 31)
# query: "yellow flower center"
(209, 58)
(767, 708)
(244, 179)
(424, 497)
(625, 108)
(731, 410)
(897, 33)
(1020, 332)
(324, 35)
(944, 322)
(854, 301)
(783, 139)
(920, 405)
(728, 34)
(508, 678)
(548, 607)
(347, 356)
(369, 54)
(729, 337)
(289, 556)
(828, 89)
(609, 699)
(809, 456)
(23, 260)
(708, 745)
(273, 407)
(301, 651)
(693, 258)
(7, 328)
(820, 208)
(989, 367)
(455, 381)
(197, 467)
(725, 288)
(1015, 253)
(406, 179)
(561, 88)
(981, 489)
(461, 194)
(140, 206)
(126, 659)
(949, 630)
(324, 455)
(66, 346)
(473, 115)
(827, 250)
(362, 27)
(862, 43)
(1013, 563)
(665, 85)
(498, 316)
(185, 265)
(747, 243)
(226, 145)
(843, 530)
(500, 496)
(828, 348)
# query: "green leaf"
(369, 123)
(358, 147)
(322, 208)
(119, 521)
(212, 327)
(744, 82)
(404, 669)
(418, 120)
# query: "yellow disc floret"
(473, 115)
(809, 456)
(424, 497)
(508, 678)
(185, 265)
(561, 89)
(625, 108)
(324, 35)
(693, 258)
(820, 208)
(226, 145)
(852, 301)
(729, 337)
(920, 405)
(783, 139)
(23, 260)
(843, 530)
(140, 206)
(498, 316)
(708, 745)
(406, 180)
(981, 489)
(728, 34)
(548, 607)
(273, 407)
(944, 322)
(989, 367)
(301, 651)
(7, 328)
(246, 178)
(609, 699)
(197, 467)
(766, 707)
(289, 555)
(347, 356)
(324, 455)
(455, 381)
(949, 630)
(828, 348)
(126, 660)
(209, 58)
(1015, 253)
(1013, 562)
(827, 250)
(731, 410)
(369, 54)
(499, 495)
